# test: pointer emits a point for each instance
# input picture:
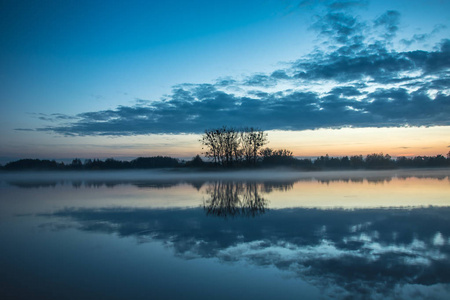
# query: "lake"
(234, 235)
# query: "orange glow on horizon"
(402, 141)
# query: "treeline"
(379, 161)
(375, 161)
(94, 164)
(266, 158)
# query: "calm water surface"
(274, 235)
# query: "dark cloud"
(23, 129)
(226, 81)
(390, 21)
(280, 74)
(340, 27)
(344, 5)
(264, 80)
(416, 38)
(54, 117)
(204, 107)
(375, 61)
(345, 91)
(367, 84)
(333, 4)
(423, 37)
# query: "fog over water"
(276, 174)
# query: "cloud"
(355, 79)
(376, 62)
(390, 21)
(339, 27)
(264, 80)
(333, 5)
(54, 117)
(423, 37)
(23, 129)
(344, 5)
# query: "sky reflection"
(365, 252)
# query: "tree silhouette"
(76, 164)
(226, 145)
(196, 162)
(379, 161)
(277, 157)
(252, 140)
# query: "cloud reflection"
(366, 252)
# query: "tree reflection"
(234, 199)
(265, 185)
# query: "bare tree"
(222, 145)
(230, 145)
(211, 142)
(252, 140)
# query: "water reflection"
(272, 222)
(365, 253)
(240, 198)
(235, 198)
(272, 180)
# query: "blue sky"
(133, 78)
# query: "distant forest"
(276, 159)
(227, 147)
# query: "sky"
(122, 79)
